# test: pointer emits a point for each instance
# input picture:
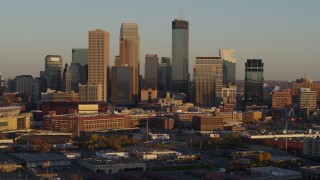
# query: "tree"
(45, 147)
(36, 140)
(94, 138)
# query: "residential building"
(180, 56)
(98, 60)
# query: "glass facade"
(254, 81)
(180, 56)
(164, 81)
(80, 55)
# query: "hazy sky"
(284, 33)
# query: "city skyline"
(264, 30)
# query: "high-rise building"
(180, 56)
(80, 55)
(130, 54)
(229, 66)
(98, 55)
(67, 79)
(151, 72)
(53, 71)
(207, 74)
(254, 78)
(307, 99)
(164, 76)
(28, 86)
(121, 85)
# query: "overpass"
(278, 136)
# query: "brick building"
(207, 123)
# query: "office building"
(229, 95)
(80, 56)
(79, 75)
(254, 78)
(90, 92)
(164, 76)
(53, 71)
(207, 123)
(67, 78)
(307, 99)
(149, 95)
(229, 66)
(151, 72)
(82, 122)
(121, 85)
(304, 82)
(130, 54)
(281, 99)
(28, 86)
(310, 172)
(98, 59)
(207, 74)
(311, 148)
(180, 56)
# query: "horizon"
(269, 31)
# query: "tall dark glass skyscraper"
(180, 56)
(79, 68)
(53, 71)
(253, 87)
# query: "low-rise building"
(252, 116)
(33, 160)
(231, 118)
(112, 155)
(311, 148)
(82, 122)
(112, 166)
(310, 172)
(11, 118)
(207, 123)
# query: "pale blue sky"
(284, 33)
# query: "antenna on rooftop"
(181, 14)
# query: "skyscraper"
(130, 54)
(164, 81)
(53, 72)
(121, 85)
(180, 56)
(229, 66)
(253, 87)
(80, 55)
(67, 78)
(151, 72)
(98, 54)
(207, 74)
